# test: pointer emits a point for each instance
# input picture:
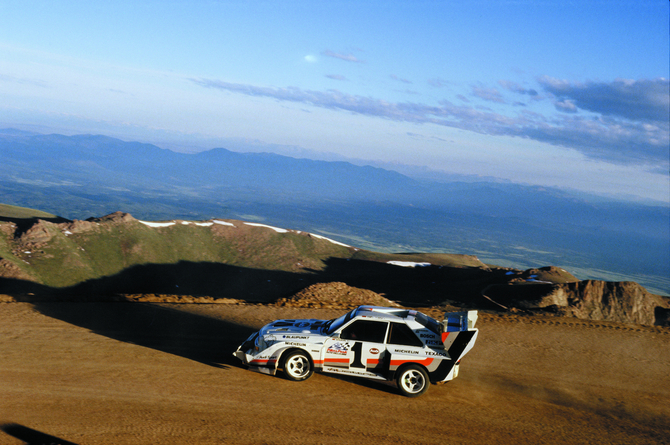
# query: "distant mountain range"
(506, 224)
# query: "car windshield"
(428, 322)
(336, 323)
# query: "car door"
(358, 349)
(403, 347)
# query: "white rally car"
(374, 342)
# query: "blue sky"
(546, 92)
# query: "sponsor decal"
(427, 335)
(338, 348)
(374, 351)
(296, 337)
(405, 351)
(264, 361)
(345, 371)
(433, 342)
(437, 354)
(292, 343)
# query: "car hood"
(286, 327)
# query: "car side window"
(365, 330)
(401, 334)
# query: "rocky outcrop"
(625, 302)
(116, 217)
(335, 295)
(40, 233)
(78, 226)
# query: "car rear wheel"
(297, 366)
(413, 381)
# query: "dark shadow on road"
(31, 436)
(377, 385)
(96, 306)
(206, 340)
(412, 286)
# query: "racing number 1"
(358, 355)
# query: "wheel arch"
(393, 374)
(287, 351)
(405, 385)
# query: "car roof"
(386, 313)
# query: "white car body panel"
(367, 342)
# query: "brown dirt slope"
(119, 373)
(334, 296)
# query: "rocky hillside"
(625, 302)
(121, 258)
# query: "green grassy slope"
(9, 211)
(232, 259)
(83, 251)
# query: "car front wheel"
(413, 381)
(297, 366)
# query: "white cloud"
(489, 94)
(647, 100)
(566, 106)
(603, 137)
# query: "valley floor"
(128, 373)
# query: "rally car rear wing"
(459, 321)
(458, 336)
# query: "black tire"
(412, 380)
(298, 366)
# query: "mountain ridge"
(118, 257)
(370, 207)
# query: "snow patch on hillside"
(276, 229)
(408, 264)
(226, 223)
(157, 224)
(328, 239)
(186, 223)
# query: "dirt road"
(130, 373)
